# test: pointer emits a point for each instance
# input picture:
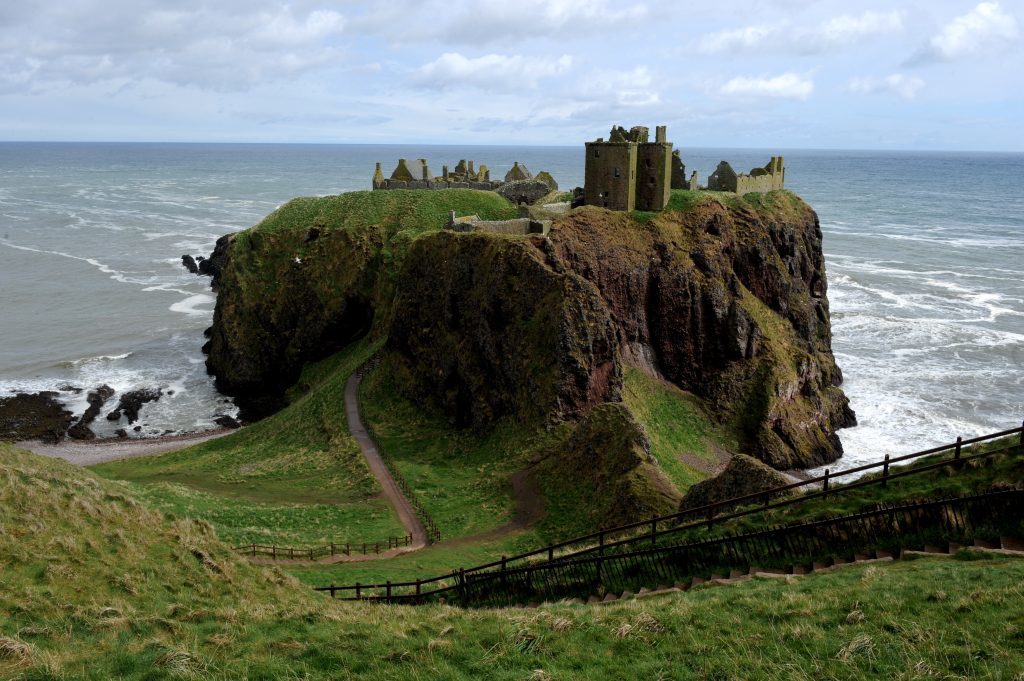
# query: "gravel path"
(380, 471)
(89, 452)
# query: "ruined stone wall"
(610, 175)
(746, 184)
(438, 184)
(521, 226)
(769, 178)
(654, 176)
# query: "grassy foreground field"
(98, 586)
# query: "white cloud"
(839, 32)
(898, 84)
(632, 88)
(489, 72)
(986, 29)
(784, 86)
(485, 22)
(225, 46)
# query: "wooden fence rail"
(664, 527)
(317, 552)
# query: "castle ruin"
(628, 172)
(519, 184)
(766, 179)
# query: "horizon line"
(540, 146)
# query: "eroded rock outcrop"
(610, 476)
(728, 303)
(484, 328)
(742, 476)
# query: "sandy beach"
(87, 453)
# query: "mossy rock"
(606, 475)
(742, 476)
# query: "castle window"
(597, 153)
(648, 162)
(616, 172)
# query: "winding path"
(528, 499)
(380, 471)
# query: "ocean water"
(924, 255)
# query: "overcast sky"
(928, 74)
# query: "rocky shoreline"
(101, 450)
(44, 418)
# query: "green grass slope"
(296, 478)
(684, 439)
(98, 586)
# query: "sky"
(919, 75)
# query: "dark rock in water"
(190, 264)
(207, 332)
(121, 432)
(226, 421)
(36, 416)
(68, 388)
(132, 401)
(742, 476)
(96, 399)
(137, 429)
(213, 265)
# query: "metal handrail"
(708, 510)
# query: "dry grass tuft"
(860, 645)
(180, 663)
(439, 644)
(13, 649)
(561, 624)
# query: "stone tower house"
(629, 172)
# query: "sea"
(924, 252)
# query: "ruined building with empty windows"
(629, 172)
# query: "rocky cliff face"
(727, 302)
(284, 300)
(725, 297)
(484, 328)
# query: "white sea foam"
(192, 305)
